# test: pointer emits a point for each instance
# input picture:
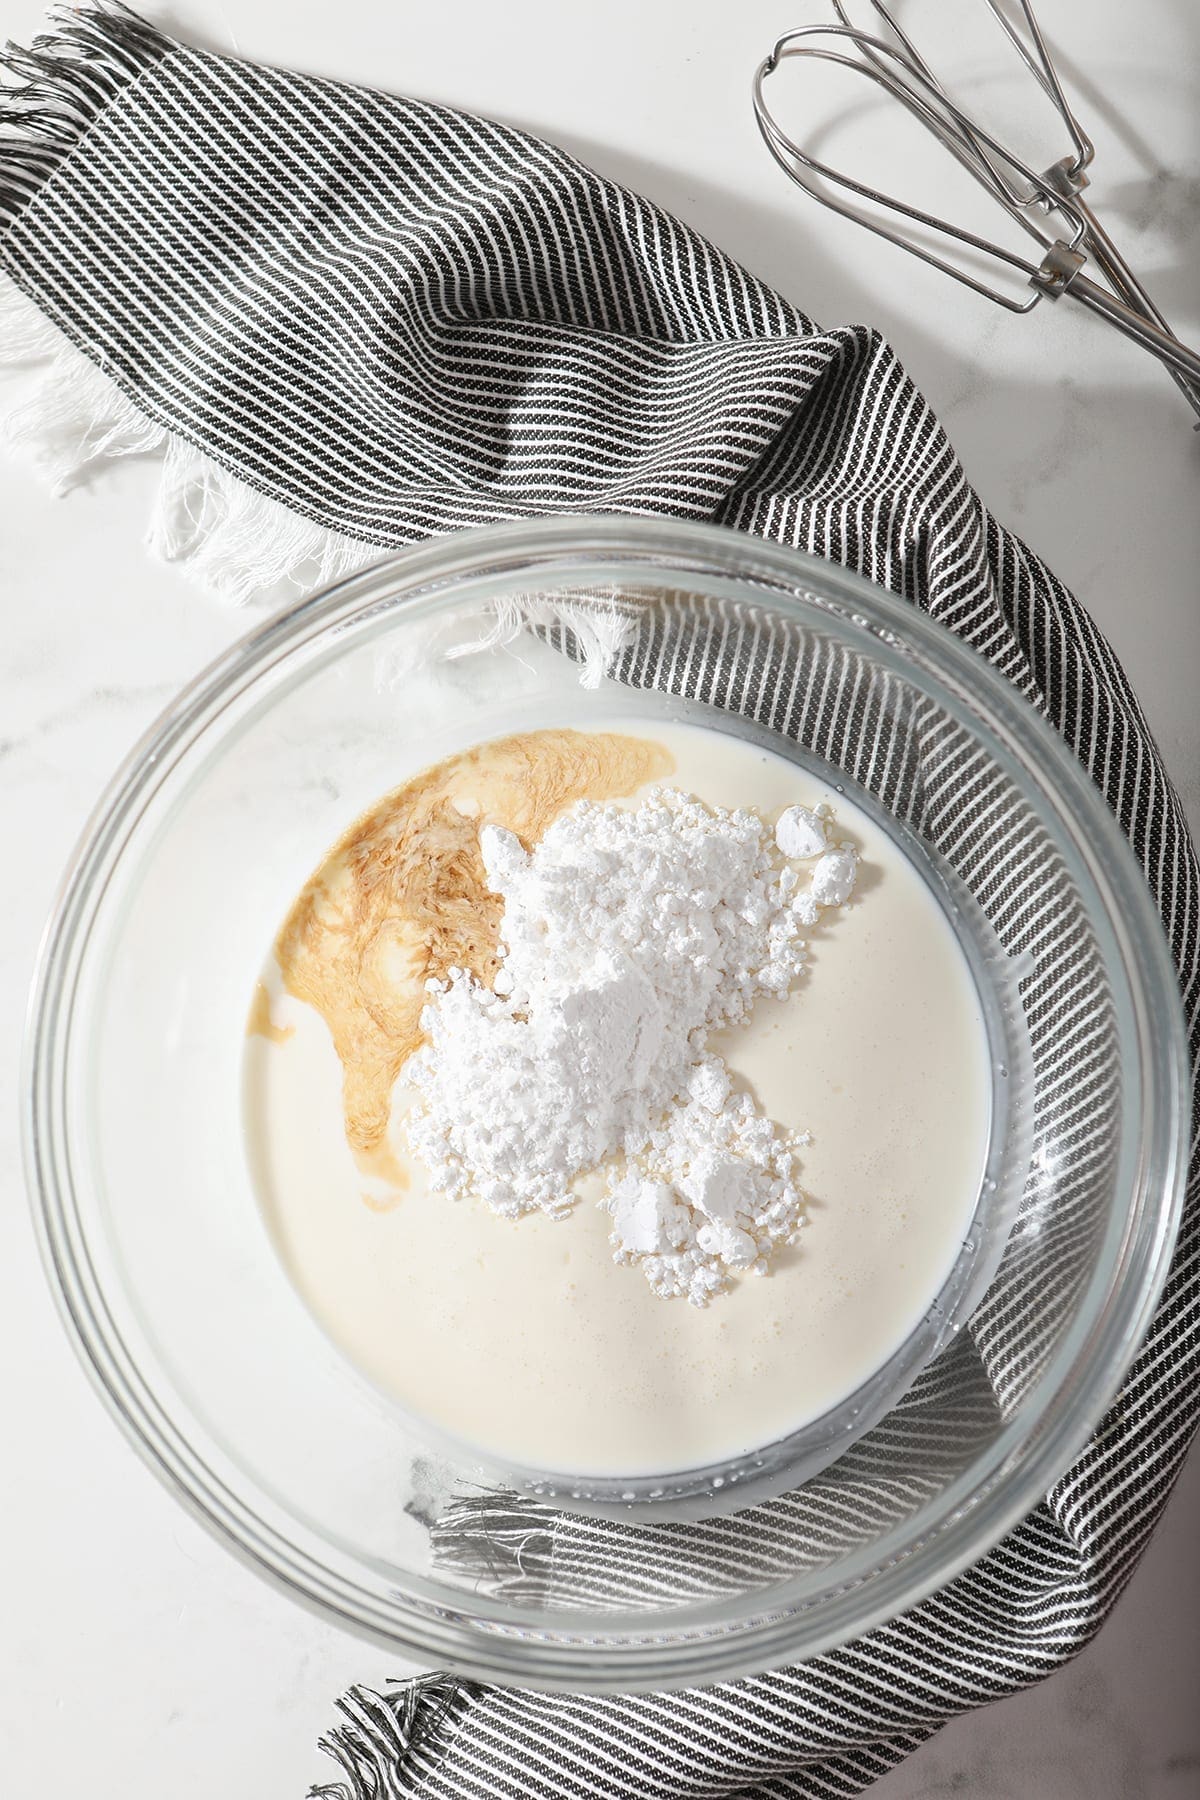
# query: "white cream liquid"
(525, 1339)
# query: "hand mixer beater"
(1048, 204)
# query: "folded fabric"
(350, 321)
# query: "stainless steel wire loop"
(1047, 203)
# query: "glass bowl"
(163, 1267)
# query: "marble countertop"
(137, 1659)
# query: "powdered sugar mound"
(721, 1183)
(834, 877)
(800, 833)
(628, 937)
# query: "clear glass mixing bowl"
(164, 1270)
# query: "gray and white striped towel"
(351, 321)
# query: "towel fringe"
(500, 1542)
(221, 532)
(386, 1735)
(66, 78)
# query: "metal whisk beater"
(1048, 204)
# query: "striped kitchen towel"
(349, 321)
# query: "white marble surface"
(137, 1659)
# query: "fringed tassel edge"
(501, 1540)
(593, 626)
(221, 532)
(64, 80)
(224, 534)
(385, 1735)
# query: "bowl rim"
(1089, 1365)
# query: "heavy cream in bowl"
(410, 1408)
(539, 1341)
